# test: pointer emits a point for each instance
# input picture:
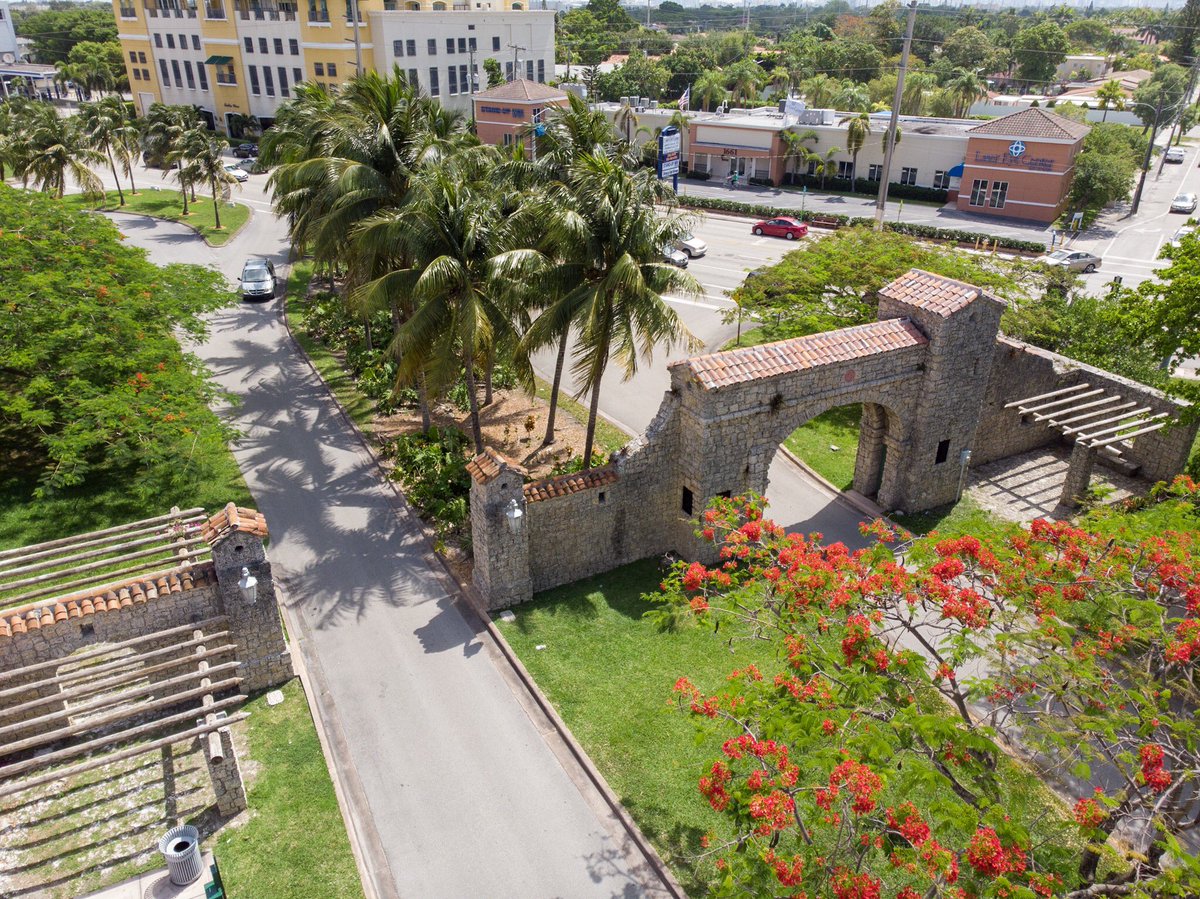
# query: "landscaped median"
(168, 205)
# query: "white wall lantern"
(514, 513)
(248, 585)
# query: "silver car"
(258, 280)
(1175, 154)
(691, 245)
(1073, 260)
(1184, 203)
(675, 257)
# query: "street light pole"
(353, 7)
(890, 143)
(1137, 195)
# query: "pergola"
(1095, 419)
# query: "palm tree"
(966, 87)
(916, 84)
(782, 79)
(709, 89)
(163, 127)
(184, 159)
(53, 149)
(852, 97)
(748, 79)
(209, 166)
(822, 163)
(617, 299)
(625, 121)
(820, 90)
(858, 127)
(104, 124)
(1111, 96)
(794, 150)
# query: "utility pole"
(358, 69)
(1137, 194)
(890, 145)
(647, 13)
(515, 49)
(746, 15)
(472, 72)
(1187, 100)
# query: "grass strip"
(609, 437)
(168, 205)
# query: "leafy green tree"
(1163, 91)
(709, 89)
(858, 128)
(1168, 310)
(820, 90)
(54, 150)
(1111, 96)
(162, 128)
(968, 48)
(746, 79)
(98, 67)
(1182, 48)
(641, 76)
(1089, 34)
(495, 75)
(92, 378)
(204, 150)
(1038, 50)
(55, 32)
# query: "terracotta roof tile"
(1034, 122)
(521, 89)
(233, 518)
(486, 466)
(753, 363)
(933, 293)
(566, 484)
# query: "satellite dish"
(8, 58)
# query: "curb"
(473, 606)
(188, 225)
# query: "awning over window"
(956, 172)
(218, 60)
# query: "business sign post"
(670, 148)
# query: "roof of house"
(521, 90)
(565, 484)
(487, 466)
(933, 293)
(752, 363)
(1034, 122)
(234, 518)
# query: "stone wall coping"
(234, 519)
(488, 465)
(109, 598)
(566, 484)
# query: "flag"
(792, 108)
(686, 98)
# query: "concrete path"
(458, 778)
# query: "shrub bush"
(869, 188)
(697, 176)
(433, 469)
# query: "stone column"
(500, 534)
(892, 495)
(1079, 476)
(228, 786)
(868, 464)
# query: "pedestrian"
(734, 179)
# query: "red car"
(781, 227)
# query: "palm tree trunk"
(1104, 118)
(132, 186)
(216, 208)
(184, 192)
(487, 377)
(593, 411)
(423, 401)
(476, 429)
(112, 162)
(558, 370)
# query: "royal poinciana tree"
(890, 752)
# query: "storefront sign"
(1016, 161)
(516, 113)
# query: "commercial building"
(233, 59)
(9, 50)
(504, 112)
(1017, 166)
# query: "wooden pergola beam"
(163, 544)
(1056, 404)
(1124, 416)
(1071, 410)
(1096, 444)
(1045, 396)
(92, 566)
(118, 737)
(119, 529)
(1105, 410)
(1091, 435)
(134, 751)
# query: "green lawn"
(609, 673)
(829, 443)
(295, 843)
(166, 204)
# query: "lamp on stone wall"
(514, 514)
(248, 585)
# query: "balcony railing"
(214, 12)
(318, 15)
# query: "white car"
(691, 245)
(1073, 260)
(1184, 203)
(237, 171)
(1175, 154)
(1178, 236)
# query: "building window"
(319, 69)
(463, 84)
(495, 43)
(187, 71)
(171, 41)
(133, 55)
(978, 192)
(279, 45)
(908, 175)
(529, 70)
(183, 42)
(137, 75)
(453, 80)
(293, 46)
(412, 77)
(542, 71)
(687, 501)
(195, 42)
(875, 172)
(254, 89)
(397, 48)
(943, 452)
(202, 75)
(410, 46)
(941, 180)
(162, 67)
(462, 45)
(283, 82)
(145, 74)
(507, 139)
(449, 45)
(175, 72)
(508, 71)
(434, 90)
(158, 40)
(141, 57)
(431, 46)
(471, 41)
(297, 76)
(268, 81)
(844, 167)
(331, 69)
(262, 45)
(249, 42)
(999, 194)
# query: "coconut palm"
(204, 149)
(106, 128)
(852, 97)
(183, 159)
(858, 127)
(916, 86)
(820, 90)
(747, 80)
(625, 120)
(709, 89)
(163, 127)
(965, 87)
(822, 164)
(782, 78)
(1111, 96)
(54, 148)
(794, 150)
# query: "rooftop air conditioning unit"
(654, 104)
(624, 101)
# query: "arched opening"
(438, 7)
(518, 6)
(412, 6)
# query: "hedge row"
(930, 232)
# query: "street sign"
(670, 149)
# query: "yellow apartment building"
(237, 58)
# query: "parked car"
(245, 151)
(1175, 154)
(258, 280)
(675, 257)
(784, 226)
(691, 245)
(1184, 203)
(239, 173)
(1074, 260)
(1178, 236)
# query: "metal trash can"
(181, 849)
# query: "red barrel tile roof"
(234, 518)
(933, 293)
(485, 467)
(566, 484)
